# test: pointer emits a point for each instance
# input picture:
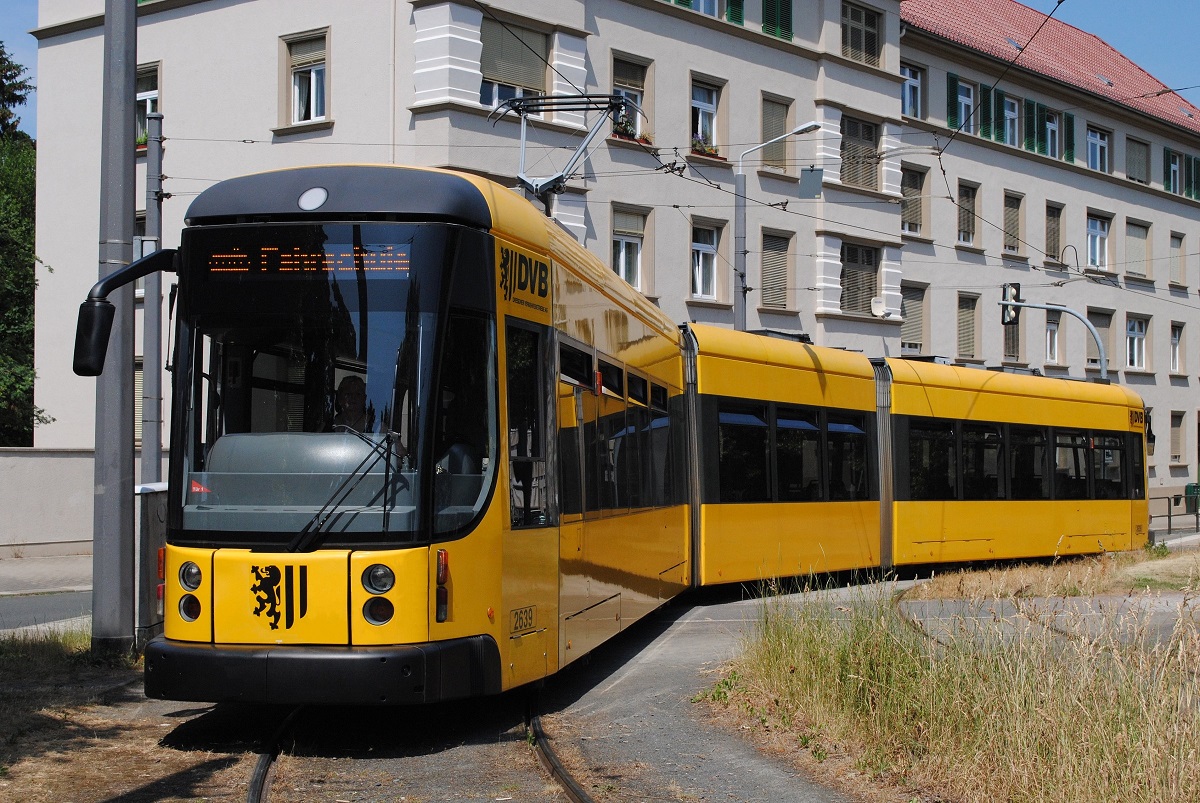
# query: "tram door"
(530, 546)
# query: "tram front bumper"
(393, 675)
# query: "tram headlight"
(378, 610)
(378, 579)
(190, 576)
(189, 608)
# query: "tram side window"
(529, 493)
(633, 449)
(932, 461)
(1108, 464)
(847, 464)
(1070, 465)
(609, 436)
(798, 455)
(575, 382)
(981, 462)
(1137, 467)
(658, 475)
(742, 436)
(1027, 476)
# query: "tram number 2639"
(522, 619)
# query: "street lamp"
(739, 223)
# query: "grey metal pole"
(739, 249)
(112, 544)
(152, 310)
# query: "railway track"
(443, 752)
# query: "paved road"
(38, 609)
(626, 713)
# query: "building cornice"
(97, 21)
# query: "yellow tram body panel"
(937, 532)
(771, 369)
(747, 543)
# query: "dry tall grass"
(995, 708)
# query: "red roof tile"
(1059, 51)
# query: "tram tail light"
(162, 563)
(159, 593)
(442, 595)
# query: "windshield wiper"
(309, 538)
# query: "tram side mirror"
(91, 336)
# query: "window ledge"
(1138, 279)
(707, 303)
(916, 238)
(780, 175)
(1177, 286)
(1179, 375)
(1055, 265)
(791, 313)
(969, 361)
(715, 161)
(1136, 372)
(861, 317)
(631, 144)
(302, 128)
(870, 192)
(970, 249)
(1012, 256)
(1103, 273)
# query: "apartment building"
(1047, 158)
(888, 226)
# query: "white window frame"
(493, 91)
(1012, 121)
(1097, 241)
(704, 262)
(710, 8)
(1137, 267)
(1052, 144)
(1135, 342)
(1012, 239)
(1098, 150)
(627, 258)
(1175, 169)
(1053, 319)
(705, 100)
(1176, 348)
(308, 80)
(966, 215)
(966, 107)
(912, 206)
(910, 90)
(1178, 260)
(147, 102)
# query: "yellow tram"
(540, 456)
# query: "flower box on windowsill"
(707, 153)
(645, 140)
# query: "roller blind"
(513, 55)
(912, 310)
(774, 271)
(307, 52)
(966, 326)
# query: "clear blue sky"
(1157, 34)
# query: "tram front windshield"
(336, 385)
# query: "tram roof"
(954, 377)
(370, 191)
(720, 342)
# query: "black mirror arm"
(161, 260)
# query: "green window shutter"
(1167, 169)
(1188, 183)
(985, 112)
(1041, 129)
(1068, 153)
(733, 12)
(998, 115)
(1030, 125)
(952, 120)
(785, 19)
(684, 3)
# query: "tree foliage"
(18, 161)
(14, 90)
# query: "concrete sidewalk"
(45, 575)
